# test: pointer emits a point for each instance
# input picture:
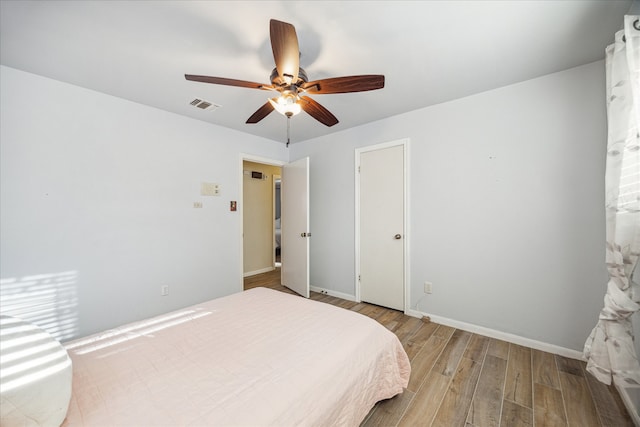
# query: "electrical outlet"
(197, 205)
(164, 290)
(428, 287)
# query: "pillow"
(36, 374)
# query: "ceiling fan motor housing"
(277, 81)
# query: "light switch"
(209, 189)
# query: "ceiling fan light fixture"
(286, 104)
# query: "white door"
(294, 193)
(382, 203)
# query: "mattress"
(259, 358)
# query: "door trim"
(256, 159)
(358, 151)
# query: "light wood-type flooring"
(463, 379)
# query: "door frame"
(256, 159)
(358, 152)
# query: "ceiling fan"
(292, 82)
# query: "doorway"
(260, 217)
(277, 203)
(381, 225)
(295, 234)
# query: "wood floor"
(463, 379)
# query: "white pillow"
(35, 373)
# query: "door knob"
(397, 237)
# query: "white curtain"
(610, 350)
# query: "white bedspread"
(257, 358)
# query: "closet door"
(382, 228)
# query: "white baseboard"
(262, 270)
(631, 402)
(332, 293)
(481, 330)
(492, 333)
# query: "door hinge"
(358, 169)
(358, 277)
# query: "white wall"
(506, 206)
(97, 205)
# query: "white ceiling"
(429, 51)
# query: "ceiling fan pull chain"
(288, 130)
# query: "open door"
(295, 226)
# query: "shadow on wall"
(47, 300)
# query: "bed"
(255, 358)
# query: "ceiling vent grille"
(204, 105)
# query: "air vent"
(204, 105)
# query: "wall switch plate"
(197, 205)
(164, 290)
(428, 287)
(209, 189)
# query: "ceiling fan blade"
(227, 82)
(286, 53)
(317, 111)
(261, 113)
(345, 84)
